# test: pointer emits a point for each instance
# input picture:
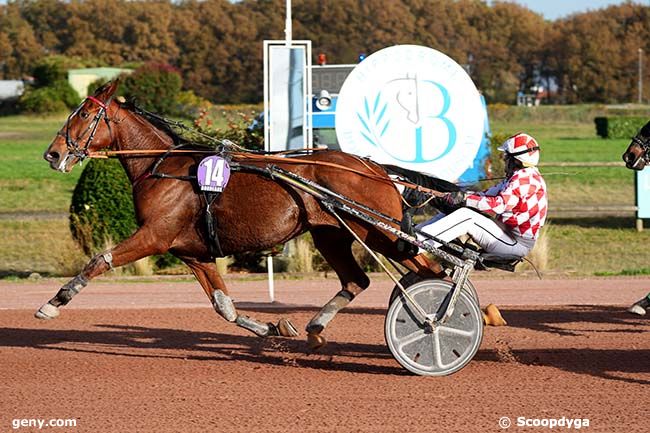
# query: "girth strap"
(214, 246)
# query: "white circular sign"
(414, 107)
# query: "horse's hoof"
(47, 312)
(286, 328)
(316, 341)
(492, 316)
(637, 309)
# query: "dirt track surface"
(182, 369)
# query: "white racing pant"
(489, 234)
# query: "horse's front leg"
(213, 285)
(141, 244)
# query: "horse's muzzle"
(633, 162)
(62, 163)
(53, 158)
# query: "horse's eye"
(84, 114)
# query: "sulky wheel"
(437, 351)
(411, 278)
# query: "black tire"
(411, 278)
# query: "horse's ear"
(108, 89)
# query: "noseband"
(75, 146)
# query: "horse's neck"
(135, 133)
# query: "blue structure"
(477, 170)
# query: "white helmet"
(523, 147)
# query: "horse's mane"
(645, 131)
(167, 126)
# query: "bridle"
(644, 144)
(76, 147)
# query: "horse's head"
(87, 129)
(637, 155)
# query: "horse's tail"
(422, 179)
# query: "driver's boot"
(492, 316)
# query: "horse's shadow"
(169, 343)
(590, 321)
(570, 320)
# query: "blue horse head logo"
(407, 101)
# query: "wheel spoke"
(411, 338)
(435, 347)
(454, 331)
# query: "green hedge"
(54, 98)
(619, 126)
(102, 206)
(154, 87)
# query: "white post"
(288, 36)
(640, 76)
(287, 24)
(269, 268)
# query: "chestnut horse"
(253, 212)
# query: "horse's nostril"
(52, 156)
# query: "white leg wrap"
(224, 305)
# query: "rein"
(262, 158)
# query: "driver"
(518, 206)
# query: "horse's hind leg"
(336, 247)
(141, 244)
(213, 285)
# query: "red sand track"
(570, 350)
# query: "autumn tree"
(597, 53)
(23, 48)
(217, 44)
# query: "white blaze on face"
(414, 107)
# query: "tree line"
(217, 44)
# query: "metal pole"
(287, 24)
(269, 268)
(640, 76)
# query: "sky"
(552, 9)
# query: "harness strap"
(214, 246)
(97, 101)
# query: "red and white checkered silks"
(517, 145)
(519, 202)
